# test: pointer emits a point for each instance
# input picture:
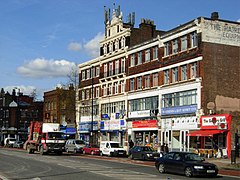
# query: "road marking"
(3, 177)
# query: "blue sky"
(41, 40)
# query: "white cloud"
(238, 20)
(92, 47)
(26, 90)
(43, 68)
(74, 46)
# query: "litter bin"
(233, 156)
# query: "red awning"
(208, 133)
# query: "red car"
(91, 149)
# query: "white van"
(112, 148)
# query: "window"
(166, 49)
(117, 67)
(123, 66)
(147, 81)
(155, 79)
(92, 72)
(110, 89)
(105, 70)
(184, 73)
(155, 53)
(116, 44)
(175, 46)
(111, 47)
(111, 69)
(166, 77)
(105, 49)
(87, 94)
(175, 74)
(92, 93)
(132, 60)
(194, 39)
(122, 86)
(139, 83)
(183, 98)
(104, 90)
(139, 58)
(97, 71)
(141, 104)
(83, 75)
(116, 87)
(147, 55)
(97, 92)
(193, 70)
(132, 84)
(88, 73)
(183, 43)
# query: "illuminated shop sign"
(179, 110)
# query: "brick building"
(157, 90)
(16, 112)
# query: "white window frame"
(155, 53)
(184, 72)
(104, 90)
(175, 46)
(175, 75)
(166, 76)
(111, 69)
(184, 43)
(139, 58)
(194, 39)
(123, 65)
(88, 74)
(83, 75)
(87, 94)
(147, 81)
(139, 82)
(155, 79)
(116, 87)
(97, 92)
(116, 67)
(132, 60)
(122, 86)
(132, 88)
(147, 55)
(83, 95)
(105, 70)
(193, 70)
(97, 71)
(167, 49)
(110, 89)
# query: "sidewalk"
(225, 166)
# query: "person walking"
(166, 150)
(131, 144)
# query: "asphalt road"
(17, 164)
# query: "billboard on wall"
(144, 124)
(179, 110)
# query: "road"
(17, 164)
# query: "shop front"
(214, 136)
(145, 132)
(85, 129)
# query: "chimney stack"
(214, 16)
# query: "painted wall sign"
(220, 32)
(135, 114)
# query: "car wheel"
(101, 154)
(75, 151)
(67, 150)
(84, 152)
(188, 172)
(92, 153)
(143, 158)
(28, 149)
(161, 168)
(41, 151)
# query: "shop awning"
(208, 133)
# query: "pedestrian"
(166, 150)
(131, 144)
(162, 147)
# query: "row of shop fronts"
(182, 132)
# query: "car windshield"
(115, 145)
(192, 157)
(55, 135)
(148, 149)
(80, 142)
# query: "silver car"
(74, 145)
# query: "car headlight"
(198, 167)
(148, 155)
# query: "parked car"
(74, 145)
(8, 142)
(186, 163)
(18, 144)
(112, 148)
(91, 149)
(143, 152)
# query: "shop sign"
(144, 124)
(136, 114)
(86, 126)
(179, 110)
(179, 123)
(114, 125)
(105, 117)
(213, 122)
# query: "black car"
(186, 163)
(143, 152)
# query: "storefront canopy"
(208, 133)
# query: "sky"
(41, 41)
